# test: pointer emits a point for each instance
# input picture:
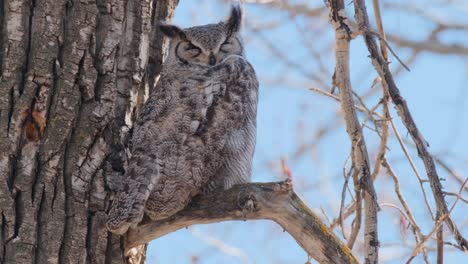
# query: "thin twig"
(360, 155)
(337, 98)
(457, 195)
(343, 194)
(351, 208)
(418, 236)
(451, 172)
(402, 108)
(378, 21)
(439, 223)
(358, 218)
(369, 114)
(382, 39)
(413, 166)
(440, 243)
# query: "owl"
(196, 132)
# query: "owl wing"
(179, 141)
(223, 100)
(143, 169)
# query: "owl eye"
(224, 46)
(193, 50)
(191, 47)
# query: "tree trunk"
(73, 74)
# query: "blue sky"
(290, 114)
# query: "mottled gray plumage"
(196, 132)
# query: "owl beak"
(212, 59)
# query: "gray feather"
(196, 132)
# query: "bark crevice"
(2, 34)
(11, 106)
(67, 174)
(3, 239)
(19, 213)
(90, 244)
(39, 249)
(73, 64)
(24, 71)
(67, 229)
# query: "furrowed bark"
(274, 201)
(360, 156)
(70, 76)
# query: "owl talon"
(249, 205)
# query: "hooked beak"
(212, 59)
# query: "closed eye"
(194, 50)
(191, 47)
(224, 45)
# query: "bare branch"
(337, 98)
(440, 244)
(418, 236)
(452, 172)
(432, 46)
(382, 68)
(360, 157)
(438, 225)
(413, 166)
(358, 218)
(378, 20)
(383, 41)
(274, 201)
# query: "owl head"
(207, 44)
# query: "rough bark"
(273, 201)
(71, 76)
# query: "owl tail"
(127, 209)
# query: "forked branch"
(273, 201)
(384, 72)
(360, 157)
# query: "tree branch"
(360, 156)
(274, 201)
(432, 46)
(403, 111)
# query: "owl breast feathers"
(196, 132)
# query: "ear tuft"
(234, 21)
(172, 31)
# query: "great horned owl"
(196, 132)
